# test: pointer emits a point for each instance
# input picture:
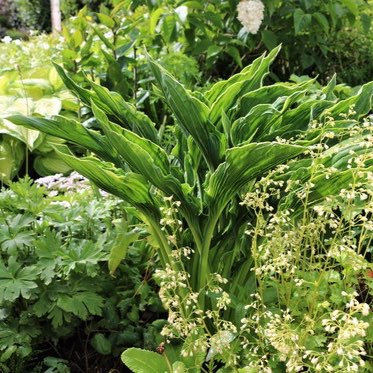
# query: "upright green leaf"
(267, 95)
(192, 115)
(243, 164)
(253, 79)
(147, 159)
(82, 93)
(301, 20)
(112, 103)
(123, 239)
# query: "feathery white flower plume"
(250, 14)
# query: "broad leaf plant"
(227, 138)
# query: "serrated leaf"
(81, 304)
(16, 281)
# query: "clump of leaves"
(189, 196)
(55, 247)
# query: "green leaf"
(154, 18)
(104, 39)
(123, 239)
(301, 21)
(16, 281)
(81, 304)
(213, 50)
(267, 95)
(361, 103)
(142, 361)
(270, 39)
(48, 106)
(82, 93)
(192, 115)
(250, 78)
(352, 6)
(68, 129)
(147, 159)
(322, 21)
(169, 27)
(78, 38)
(12, 153)
(127, 115)
(235, 54)
(101, 344)
(106, 20)
(129, 186)
(366, 21)
(49, 164)
(243, 164)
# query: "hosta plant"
(188, 194)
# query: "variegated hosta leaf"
(23, 106)
(361, 103)
(129, 186)
(12, 153)
(70, 130)
(251, 79)
(144, 157)
(112, 104)
(243, 164)
(192, 116)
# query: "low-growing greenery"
(59, 240)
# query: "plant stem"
(204, 269)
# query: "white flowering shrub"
(250, 14)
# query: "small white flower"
(251, 14)
(6, 39)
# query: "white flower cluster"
(58, 183)
(251, 14)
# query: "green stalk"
(164, 248)
(204, 261)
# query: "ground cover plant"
(66, 301)
(307, 142)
